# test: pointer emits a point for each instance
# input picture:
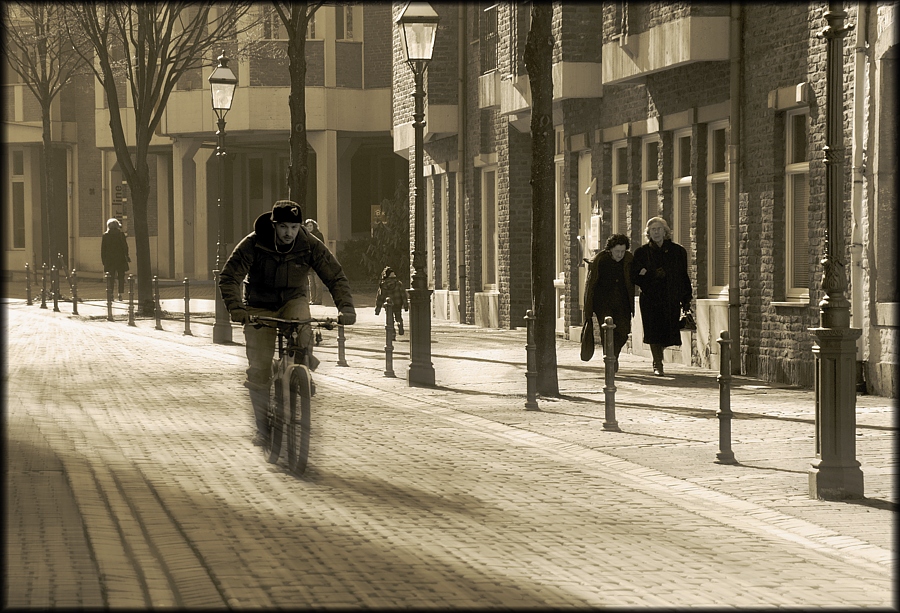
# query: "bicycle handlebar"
(328, 322)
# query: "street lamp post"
(418, 24)
(835, 473)
(222, 84)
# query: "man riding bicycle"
(273, 264)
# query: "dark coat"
(608, 290)
(390, 287)
(665, 290)
(114, 251)
(273, 278)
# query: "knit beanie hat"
(286, 211)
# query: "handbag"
(587, 339)
(687, 321)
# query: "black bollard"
(109, 296)
(187, 307)
(74, 292)
(43, 286)
(388, 338)
(342, 361)
(725, 455)
(28, 285)
(530, 364)
(131, 301)
(61, 265)
(54, 287)
(156, 302)
(609, 391)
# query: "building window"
(273, 27)
(717, 210)
(487, 29)
(681, 227)
(620, 189)
(489, 230)
(311, 27)
(561, 183)
(343, 23)
(649, 178)
(17, 221)
(797, 205)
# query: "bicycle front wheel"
(299, 419)
(275, 418)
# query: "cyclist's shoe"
(312, 387)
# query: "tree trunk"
(139, 185)
(48, 253)
(298, 171)
(539, 63)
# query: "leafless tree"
(296, 17)
(146, 47)
(38, 49)
(539, 62)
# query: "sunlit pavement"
(131, 480)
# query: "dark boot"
(400, 327)
(259, 398)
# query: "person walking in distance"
(609, 292)
(389, 286)
(114, 253)
(276, 259)
(659, 268)
(315, 286)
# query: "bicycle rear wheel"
(275, 418)
(299, 419)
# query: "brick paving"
(131, 480)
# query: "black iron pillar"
(835, 473)
(421, 370)
(222, 327)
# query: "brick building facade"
(711, 115)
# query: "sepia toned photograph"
(453, 306)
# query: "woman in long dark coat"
(659, 268)
(609, 291)
(114, 253)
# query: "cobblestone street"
(131, 481)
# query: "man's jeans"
(261, 350)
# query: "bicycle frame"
(292, 381)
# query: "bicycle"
(292, 379)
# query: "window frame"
(619, 218)
(490, 230)
(16, 209)
(681, 227)
(559, 189)
(713, 179)
(649, 184)
(792, 170)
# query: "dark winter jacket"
(273, 278)
(608, 290)
(390, 287)
(665, 290)
(114, 251)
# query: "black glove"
(347, 317)
(660, 273)
(405, 307)
(240, 316)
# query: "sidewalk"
(133, 511)
(668, 424)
